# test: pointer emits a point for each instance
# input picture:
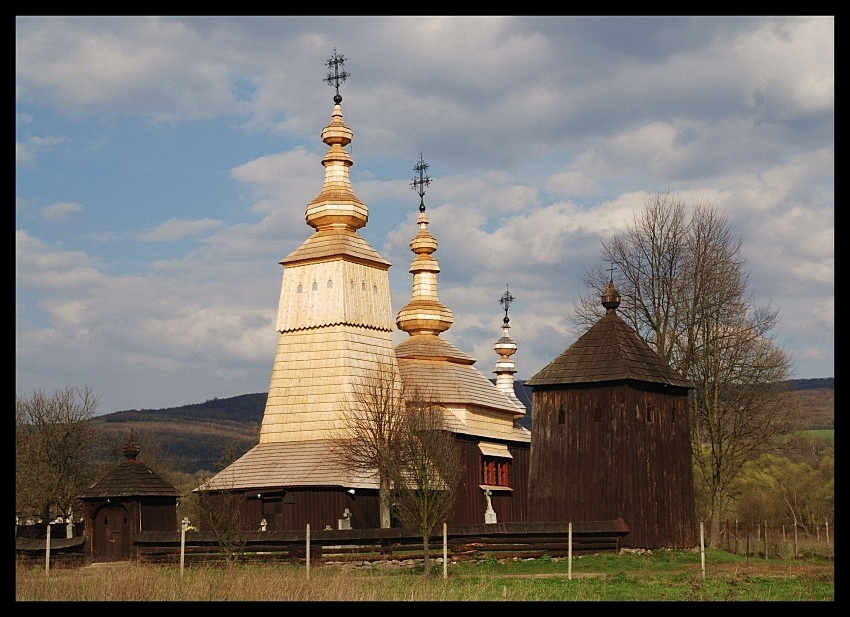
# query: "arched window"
(330, 284)
(300, 288)
(315, 286)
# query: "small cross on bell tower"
(506, 300)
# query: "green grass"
(656, 576)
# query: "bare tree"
(374, 419)
(685, 291)
(55, 450)
(222, 510)
(426, 470)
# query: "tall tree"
(686, 292)
(374, 419)
(55, 450)
(426, 469)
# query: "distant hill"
(194, 436)
(812, 384)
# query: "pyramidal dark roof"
(609, 351)
(131, 478)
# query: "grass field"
(656, 576)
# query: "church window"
(374, 290)
(649, 413)
(561, 415)
(300, 288)
(315, 286)
(494, 465)
(330, 284)
(495, 471)
(363, 286)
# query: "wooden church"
(611, 437)
(335, 326)
(610, 433)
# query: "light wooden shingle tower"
(334, 318)
(482, 417)
(335, 324)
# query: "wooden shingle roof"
(335, 243)
(131, 478)
(434, 365)
(609, 351)
(282, 464)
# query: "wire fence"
(778, 542)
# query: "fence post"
(795, 541)
(736, 536)
(183, 525)
(308, 550)
(445, 552)
(765, 539)
(702, 546)
(47, 552)
(826, 529)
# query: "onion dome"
(424, 314)
(337, 205)
(611, 298)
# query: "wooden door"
(112, 534)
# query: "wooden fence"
(363, 546)
(777, 541)
(369, 546)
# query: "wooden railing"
(463, 542)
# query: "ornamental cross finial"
(419, 183)
(611, 272)
(505, 301)
(336, 73)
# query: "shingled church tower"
(335, 324)
(334, 318)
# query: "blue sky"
(163, 166)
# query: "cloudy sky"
(163, 166)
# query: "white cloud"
(60, 212)
(177, 229)
(25, 152)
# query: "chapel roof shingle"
(291, 463)
(609, 351)
(131, 478)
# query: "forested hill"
(242, 408)
(812, 384)
(250, 407)
(197, 434)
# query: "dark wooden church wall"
(471, 503)
(159, 514)
(295, 508)
(614, 451)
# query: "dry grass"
(129, 582)
(597, 578)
